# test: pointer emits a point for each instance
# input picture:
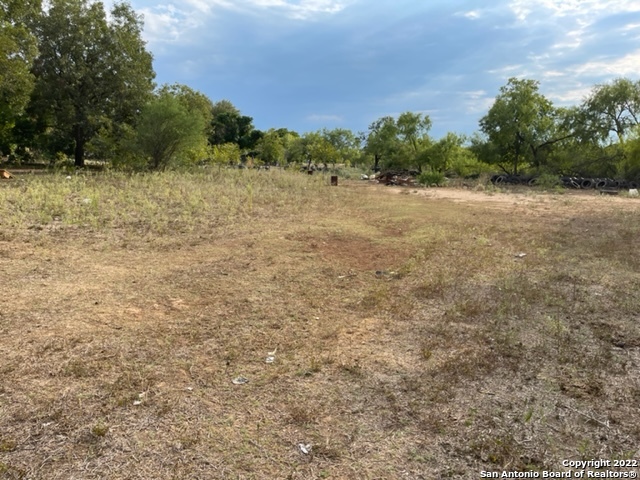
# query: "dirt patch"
(120, 350)
(352, 251)
(567, 200)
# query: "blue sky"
(309, 64)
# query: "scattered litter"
(520, 255)
(350, 274)
(364, 177)
(271, 356)
(306, 449)
(137, 403)
(240, 381)
(68, 177)
(86, 201)
(190, 389)
(5, 174)
(47, 424)
(142, 395)
(384, 273)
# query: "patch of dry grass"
(408, 340)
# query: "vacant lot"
(420, 335)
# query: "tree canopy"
(89, 71)
(613, 108)
(18, 50)
(166, 129)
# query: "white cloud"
(573, 18)
(507, 69)
(575, 8)
(164, 23)
(167, 23)
(471, 14)
(631, 26)
(573, 38)
(568, 95)
(614, 67)
(300, 10)
(476, 101)
(324, 118)
(553, 74)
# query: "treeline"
(78, 83)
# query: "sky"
(311, 64)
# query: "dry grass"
(409, 340)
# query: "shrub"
(429, 179)
(548, 181)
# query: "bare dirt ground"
(410, 339)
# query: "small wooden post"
(334, 180)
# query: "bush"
(167, 132)
(548, 181)
(429, 179)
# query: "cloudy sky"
(309, 64)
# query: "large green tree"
(613, 108)
(228, 125)
(521, 125)
(167, 131)
(319, 149)
(197, 104)
(413, 129)
(18, 49)
(400, 142)
(90, 71)
(271, 147)
(345, 143)
(382, 141)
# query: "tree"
(227, 153)
(18, 49)
(519, 124)
(345, 143)
(196, 103)
(382, 140)
(319, 150)
(400, 143)
(295, 149)
(271, 147)
(228, 125)
(413, 129)
(613, 108)
(89, 72)
(440, 155)
(166, 131)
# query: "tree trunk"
(376, 163)
(79, 150)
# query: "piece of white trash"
(306, 449)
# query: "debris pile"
(581, 183)
(5, 174)
(397, 177)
